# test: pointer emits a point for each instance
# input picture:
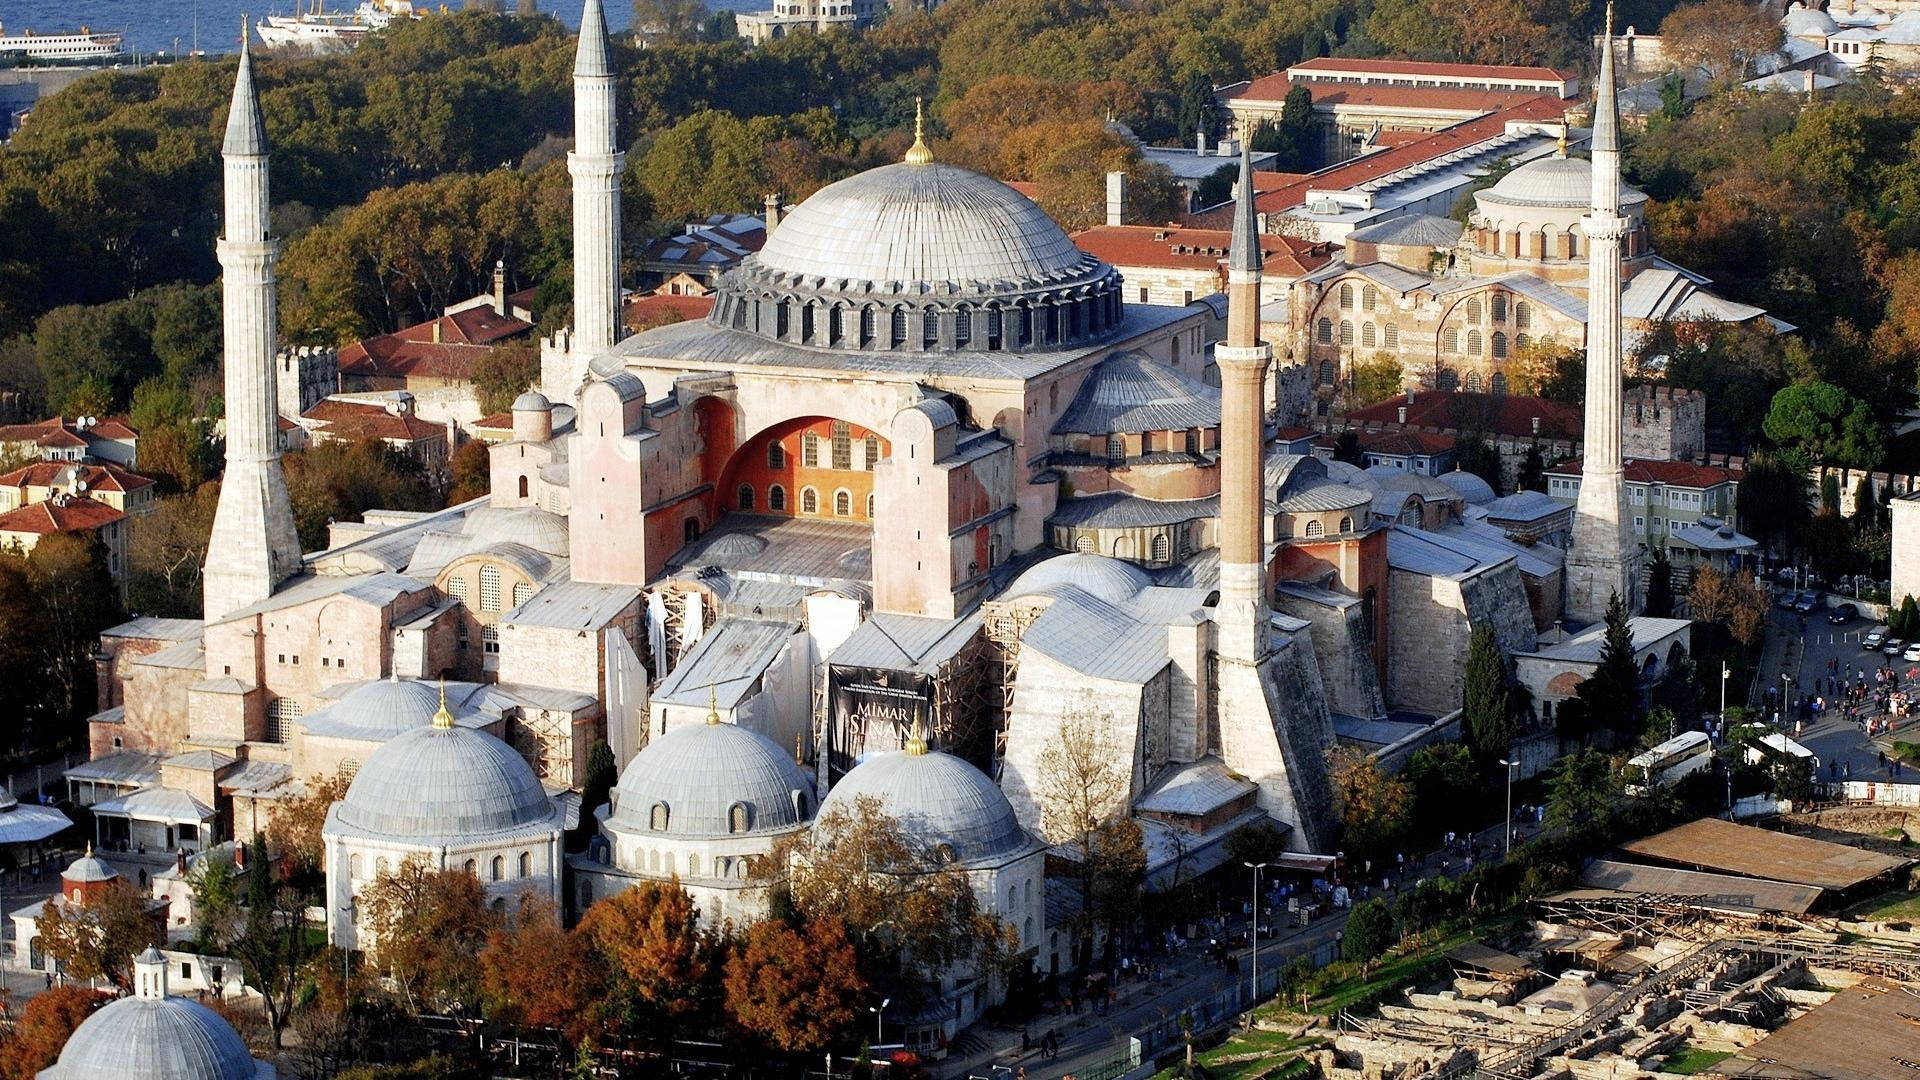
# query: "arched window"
(899, 327)
(1473, 311)
(776, 456)
(842, 444)
(1499, 345)
(806, 322)
(1158, 552)
(489, 588)
(1473, 343)
(353, 865)
(1023, 326)
(380, 866)
(737, 818)
(457, 587)
(1346, 332)
(1346, 295)
(1522, 315)
(810, 451)
(929, 329)
(809, 501)
(690, 530)
(1116, 450)
(1448, 380)
(657, 821)
(522, 592)
(1314, 528)
(1193, 441)
(744, 497)
(1326, 373)
(523, 487)
(1367, 335)
(499, 867)
(872, 452)
(1368, 296)
(776, 498)
(843, 503)
(963, 326)
(1323, 332)
(1473, 382)
(499, 905)
(1346, 524)
(870, 506)
(585, 888)
(1450, 341)
(1499, 382)
(526, 864)
(836, 325)
(1084, 543)
(1390, 336)
(1521, 341)
(993, 328)
(693, 864)
(866, 327)
(1499, 303)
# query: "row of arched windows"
(746, 497)
(1450, 342)
(992, 327)
(496, 867)
(1387, 335)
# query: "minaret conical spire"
(592, 55)
(1606, 127)
(595, 165)
(246, 134)
(1245, 251)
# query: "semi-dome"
(920, 257)
(143, 1038)
(698, 774)
(938, 799)
(541, 530)
(1562, 182)
(445, 783)
(1112, 580)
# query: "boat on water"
(85, 45)
(318, 30)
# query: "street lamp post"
(1509, 766)
(1253, 935)
(878, 1035)
(1725, 674)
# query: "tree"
(340, 481)
(73, 599)
(166, 549)
(428, 928)
(294, 827)
(1197, 107)
(1472, 453)
(602, 774)
(98, 938)
(1773, 500)
(649, 937)
(1610, 697)
(271, 944)
(1374, 808)
(1376, 380)
(798, 989)
(1346, 447)
(669, 20)
(1080, 788)
(1446, 784)
(1659, 585)
(46, 1023)
(536, 974)
(1866, 511)
(1533, 471)
(1368, 933)
(1550, 370)
(469, 472)
(1580, 794)
(503, 373)
(1487, 720)
(1826, 423)
(1723, 36)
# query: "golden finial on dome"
(713, 705)
(1565, 125)
(918, 154)
(917, 742)
(442, 719)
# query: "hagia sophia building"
(923, 491)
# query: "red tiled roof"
(688, 308)
(1378, 164)
(500, 421)
(412, 350)
(356, 420)
(59, 515)
(1025, 187)
(1453, 410)
(1176, 247)
(1272, 89)
(61, 432)
(1290, 433)
(1467, 72)
(1404, 442)
(113, 427)
(1671, 473)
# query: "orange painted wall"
(749, 466)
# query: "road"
(1832, 738)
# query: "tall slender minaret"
(595, 164)
(1278, 738)
(1243, 360)
(1601, 562)
(254, 545)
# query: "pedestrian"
(49, 980)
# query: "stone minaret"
(254, 546)
(1243, 360)
(595, 164)
(1272, 712)
(1602, 559)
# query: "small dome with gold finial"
(445, 782)
(711, 779)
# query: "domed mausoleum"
(700, 803)
(450, 795)
(151, 1036)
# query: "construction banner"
(873, 709)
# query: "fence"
(1225, 1005)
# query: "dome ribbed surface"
(89, 867)
(444, 783)
(1111, 580)
(938, 799)
(700, 771)
(919, 223)
(1552, 182)
(149, 1039)
(541, 530)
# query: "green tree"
(1610, 697)
(1659, 585)
(339, 481)
(1533, 471)
(1196, 107)
(1368, 933)
(1581, 793)
(1773, 500)
(504, 373)
(1472, 453)
(1826, 423)
(99, 939)
(1374, 808)
(1446, 781)
(1376, 380)
(1487, 719)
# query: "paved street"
(1833, 738)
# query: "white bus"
(1686, 752)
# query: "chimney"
(239, 855)
(1116, 198)
(774, 208)
(1200, 142)
(436, 330)
(1403, 414)
(499, 289)
(1536, 425)
(1409, 397)
(1809, 84)
(180, 862)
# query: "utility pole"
(1253, 936)
(1509, 766)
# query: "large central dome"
(922, 258)
(920, 223)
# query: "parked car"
(1912, 654)
(1842, 613)
(1894, 646)
(1874, 639)
(1807, 602)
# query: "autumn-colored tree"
(428, 928)
(1723, 36)
(469, 472)
(99, 938)
(534, 973)
(293, 829)
(166, 547)
(43, 1029)
(650, 938)
(797, 989)
(504, 373)
(1081, 785)
(1374, 808)
(1377, 379)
